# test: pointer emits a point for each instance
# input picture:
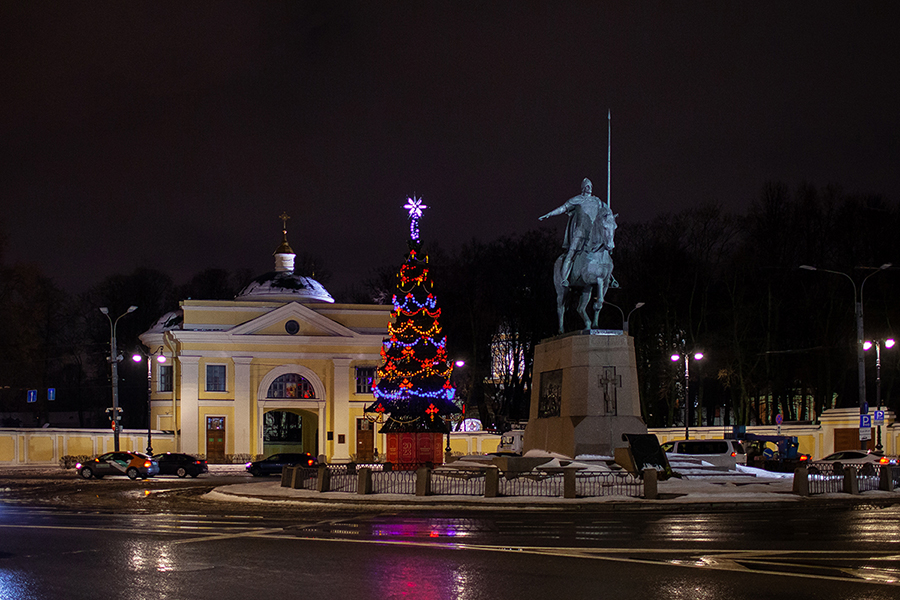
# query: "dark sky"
(172, 134)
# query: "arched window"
(291, 386)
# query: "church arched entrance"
(291, 403)
(290, 430)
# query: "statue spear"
(608, 156)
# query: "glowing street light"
(160, 358)
(888, 343)
(860, 358)
(687, 381)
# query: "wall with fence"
(47, 446)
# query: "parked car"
(174, 463)
(132, 464)
(868, 460)
(276, 462)
(722, 453)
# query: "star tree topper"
(415, 207)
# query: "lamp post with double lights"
(625, 317)
(114, 358)
(858, 310)
(887, 343)
(458, 364)
(687, 382)
(160, 358)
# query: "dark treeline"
(776, 339)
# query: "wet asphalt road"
(64, 538)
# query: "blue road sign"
(865, 421)
(51, 394)
(32, 395)
(879, 417)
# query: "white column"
(322, 427)
(244, 403)
(190, 404)
(341, 395)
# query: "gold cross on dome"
(284, 219)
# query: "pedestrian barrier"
(835, 478)
(446, 481)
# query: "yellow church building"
(281, 368)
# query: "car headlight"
(77, 465)
(249, 464)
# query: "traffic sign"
(865, 421)
(32, 396)
(865, 434)
(879, 417)
(51, 394)
(779, 419)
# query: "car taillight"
(310, 461)
(804, 457)
(147, 464)
(733, 454)
(197, 462)
(884, 460)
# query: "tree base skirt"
(415, 448)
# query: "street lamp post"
(160, 358)
(888, 343)
(625, 317)
(860, 358)
(687, 381)
(114, 359)
(458, 363)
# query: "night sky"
(172, 135)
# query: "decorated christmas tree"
(414, 394)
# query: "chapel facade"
(281, 368)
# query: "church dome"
(283, 284)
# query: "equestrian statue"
(586, 263)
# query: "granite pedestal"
(584, 394)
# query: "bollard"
(287, 475)
(651, 484)
(801, 481)
(492, 483)
(364, 481)
(851, 483)
(351, 468)
(423, 481)
(569, 483)
(886, 482)
(324, 483)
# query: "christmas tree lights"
(414, 393)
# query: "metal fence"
(830, 478)
(616, 483)
(466, 482)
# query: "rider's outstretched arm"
(557, 211)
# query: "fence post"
(851, 483)
(364, 481)
(651, 484)
(287, 475)
(492, 483)
(801, 481)
(324, 483)
(886, 482)
(569, 483)
(297, 477)
(423, 481)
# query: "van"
(722, 453)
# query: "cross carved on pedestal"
(608, 382)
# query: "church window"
(215, 378)
(365, 380)
(291, 385)
(165, 378)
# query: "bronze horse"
(590, 269)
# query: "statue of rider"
(584, 233)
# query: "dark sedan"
(174, 463)
(132, 464)
(276, 462)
